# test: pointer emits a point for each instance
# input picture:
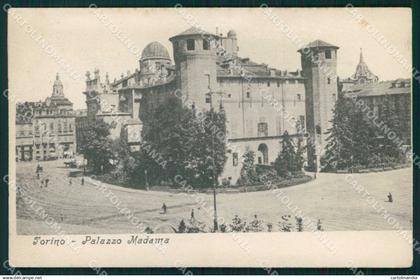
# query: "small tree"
(255, 225)
(237, 225)
(288, 161)
(285, 224)
(97, 147)
(248, 175)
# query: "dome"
(155, 50)
(231, 33)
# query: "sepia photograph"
(173, 127)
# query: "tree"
(97, 146)
(300, 159)
(183, 137)
(165, 133)
(338, 154)
(207, 153)
(363, 139)
(390, 151)
(288, 161)
(248, 175)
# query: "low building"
(376, 94)
(395, 93)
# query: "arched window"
(263, 154)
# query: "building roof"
(318, 44)
(399, 86)
(155, 50)
(231, 33)
(193, 31)
(59, 101)
(247, 67)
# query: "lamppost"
(209, 99)
(146, 181)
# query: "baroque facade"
(46, 129)
(260, 102)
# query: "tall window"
(235, 159)
(279, 120)
(301, 124)
(206, 44)
(65, 126)
(299, 97)
(329, 80)
(190, 44)
(268, 83)
(328, 54)
(262, 129)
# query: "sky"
(80, 40)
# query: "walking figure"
(46, 182)
(192, 214)
(42, 184)
(70, 182)
(389, 197)
(164, 208)
(38, 170)
(83, 181)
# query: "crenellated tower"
(319, 65)
(195, 65)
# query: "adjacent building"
(46, 129)
(365, 85)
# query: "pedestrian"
(164, 208)
(192, 214)
(70, 182)
(389, 197)
(42, 184)
(83, 181)
(46, 182)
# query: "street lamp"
(209, 99)
(145, 177)
(209, 96)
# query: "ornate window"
(262, 129)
